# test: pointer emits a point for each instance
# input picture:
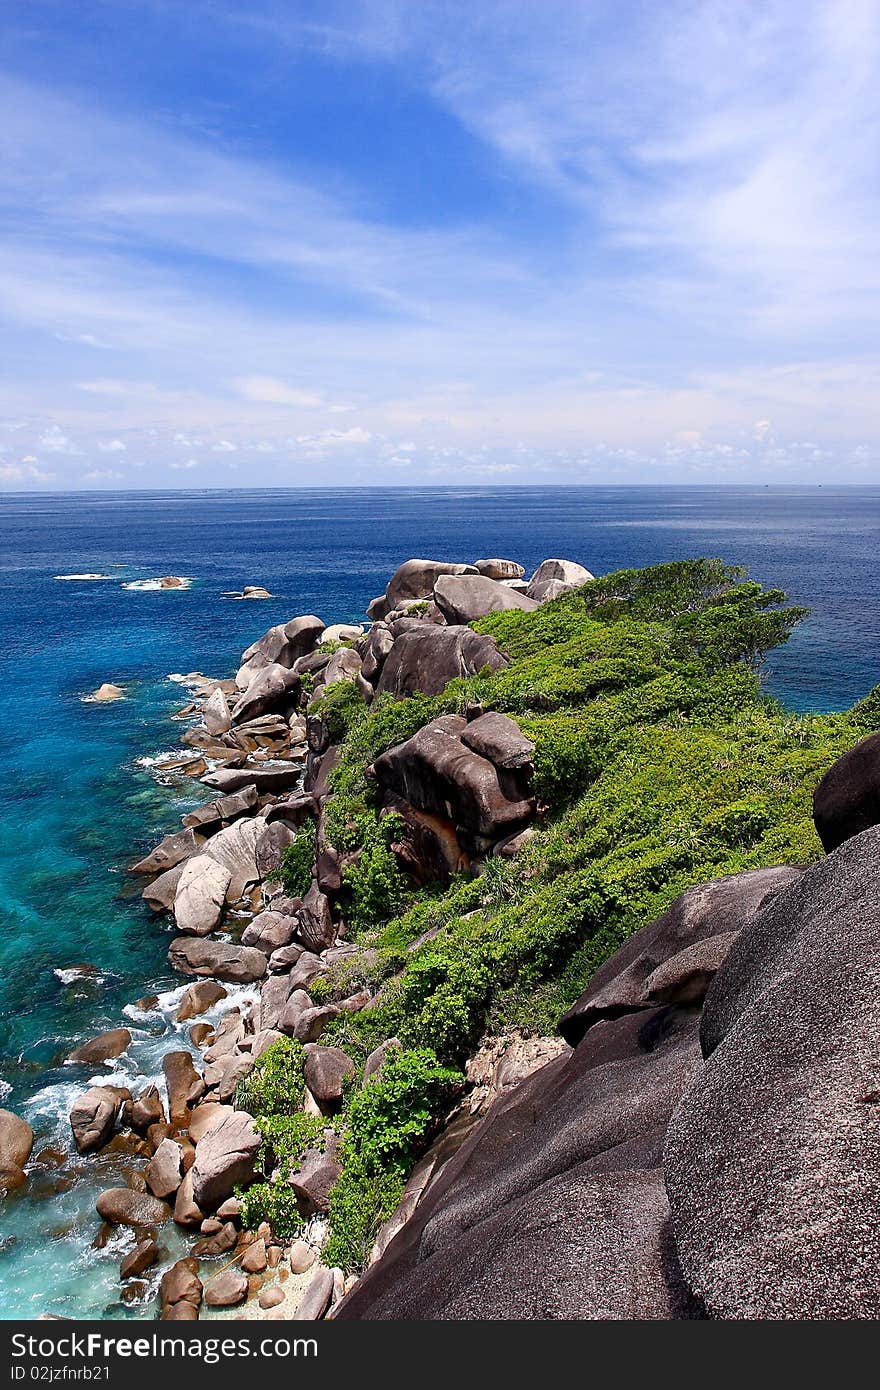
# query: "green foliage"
(341, 706)
(275, 1086)
(298, 862)
(275, 1203)
(387, 1125)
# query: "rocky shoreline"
(600, 1141)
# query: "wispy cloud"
(680, 241)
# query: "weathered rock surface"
(326, 1068)
(122, 1207)
(184, 1085)
(464, 598)
(198, 999)
(716, 908)
(103, 1048)
(215, 712)
(225, 1157)
(415, 579)
(316, 1299)
(435, 772)
(773, 1156)
(227, 1289)
(223, 811)
(174, 849)
(280, 646)
(554, 577)
(142, 1257)
(427, 658)
(272, 688)
(269, 931)
(160, 894)
(554, 1205)
(16, 1140)
(847, 800)
(191, 955)
(93, 1118)
(499, 569)
(235, 849)
(163, 1172)
(278, 778)
(201, 895)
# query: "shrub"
(387, 1124)
(298, 863)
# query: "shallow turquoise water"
(76, 807)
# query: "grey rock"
(269, 931)
(710, 909)
(163, 1172)
(553, 577)
(499, 569)
(215, 712)
(93, 1118)
(174, 849)
(198, 999)
(191, 955)
(227, 1289)
(772, 1158)
(201, 895)
(316, 1299)
(426, 658)
(160, 894)
(273, 689)
(463, 599)
(122, 1207)
(104, 1048)
(225, 1158)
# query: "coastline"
(291, 971)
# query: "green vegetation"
(273, 1093)
(298, 863)
(387, 1125)
(659, 763)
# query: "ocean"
(79, 802)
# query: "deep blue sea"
(77, 806)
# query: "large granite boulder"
(847, 800)
(772, 1158)
(93, 1117)
(434, 771)
(272, 688)
(174, 849)
(183, 1083)
(716, 908)
(499, 569)
(220, 960)
(374, 649)
(215, 713)
(123, 1207)
(269, 931)
(464, 598)
(198, 999)
(201, 895)
(553, 1207)
(160, 894)
(235, 848)
(415, 579)
(280, 646)
(555, 577)
(426, 658)
(209, 818)
(427, 846)
(225, 1158)
(277, 778)
(16, 1140)
(163, 1172)
(106, 1047)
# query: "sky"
(428, 242)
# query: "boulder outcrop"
(426, 658)
(847, 800)
(225, 1157)
(464, 598)
(220, 960)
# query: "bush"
(276, 1085)
(298, 863)
(387, 1125)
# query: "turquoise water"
(77, 806)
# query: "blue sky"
(438, 241)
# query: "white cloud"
(111, 446)
(54, 441)
(356, 435)
(101, 474)
(224, 446)
(188, 463)
(272, 391)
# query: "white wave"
(71, 974)
(158, 759)
(5, 1089)
(84, 576)
(156, 585)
